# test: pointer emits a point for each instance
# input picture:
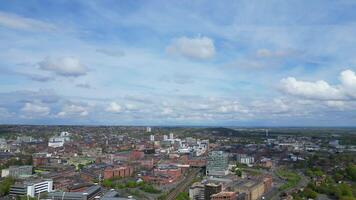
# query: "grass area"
(292, 178)
(253, 172)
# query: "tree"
(5, 185)
(182, 196)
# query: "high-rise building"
(165, 137)
(148, 129)
(211, 189)
(196, 191)
(218, 163)
(152, 138)
(171, 136)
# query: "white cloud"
(196, 48)
(34, 109)
(114, 107)
(73, 110)
(18, 22)
(312, 90)
(348, 80)
(321, 90)
(64, 66)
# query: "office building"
(148, 129)
(245, 159)
(210, 189)
(196, 191)
(31, 188)
(152, 138)
(88, 194)
(17, 171)
(218, 164)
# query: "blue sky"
(243, 63)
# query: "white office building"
(32, 188)
(56, 142)
(152, 138)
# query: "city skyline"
(208, 63)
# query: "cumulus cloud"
(32, 109)
(321, 90)
(348, 80)
(22, 23)
(114, 107)
(73, 110)
(197, 48)
(64, 66)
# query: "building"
(196, 191)
(253, 189)
(56, 142)
(152, 138)
(114, 172)
(210, 189)
(88, 194)
(148, 129)
(31, 188)
(245, 159)
(171, 136)
(217, 164)
(172, 171)
(224, 196)
(17, 171)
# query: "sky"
(206, 63)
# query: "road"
(183, 186)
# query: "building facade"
(217, 164)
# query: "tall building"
(218, 163)
(171, 136)
(211, 189)
(196, 191)
(152, 138)
(31, 188)
(165, 137)
(148, 129)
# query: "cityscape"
(177, 100)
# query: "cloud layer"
(189, 63)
